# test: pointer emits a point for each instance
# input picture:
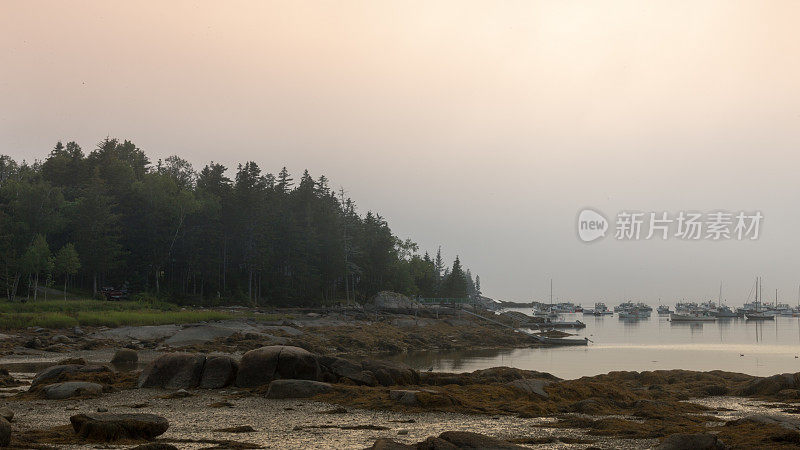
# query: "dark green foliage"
(200, 237)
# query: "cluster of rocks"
(288, 371)
(68, 380)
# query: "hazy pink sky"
(481, 126)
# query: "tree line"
(112, 218)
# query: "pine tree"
(284, 181)
(455, 286)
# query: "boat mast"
(551, 293)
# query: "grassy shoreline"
(70, 313)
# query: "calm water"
(736, 345)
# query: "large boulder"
(340, 370)
(218, 372)
(699, 441)
(297, 388)
(65, 372)
(260, 366)
(392, 300)
(111, 427)
(125, 359)
(389, 373)
(69, 389)
(6, 413)
(5, 432)
(174, 371)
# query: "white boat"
(600, 309)
(696, 317)
(759, 314)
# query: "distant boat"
(633, 314)
(600, 309)
(696, 317)
(664, 309)
(724, 312)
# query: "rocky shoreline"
(669, 409)
(241, 373)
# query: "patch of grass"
(44, 320)
(148, 317)
(69, 313)
(74, 306)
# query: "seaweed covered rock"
(174, 371)
(5, 433)
(111, 427)
(770, 385)
(297, 388)
(261, 366)
(699, 441)
(449, 440)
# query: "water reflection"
(737, 345)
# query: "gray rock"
(409, 397)
(297, 388)
(64, 372)
(7, 414)
(404, 397)
(699, 441)
(5, 433)
(392, 300)
(260, 366)
(79, 331)
(69, 389)
(111, 427)
(198, 334)
(174, 371)
(140, 333)
(530, 386)
(218, 372)
(61, 339)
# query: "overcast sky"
(483, 127)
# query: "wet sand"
(275, 421)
